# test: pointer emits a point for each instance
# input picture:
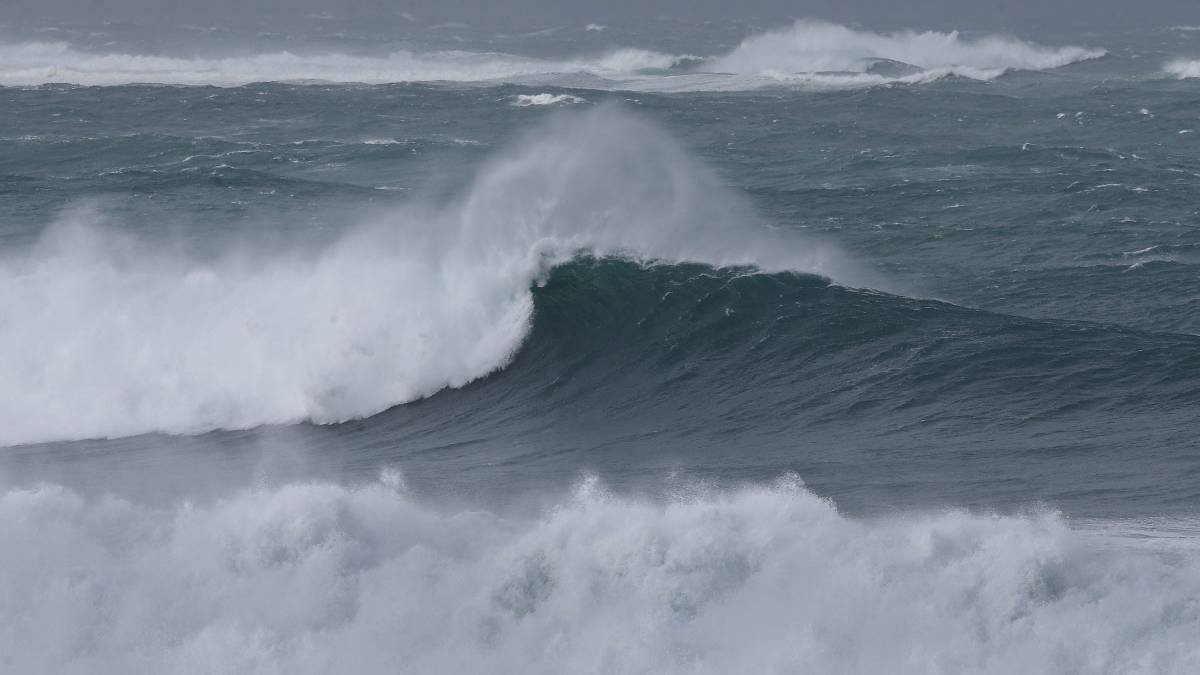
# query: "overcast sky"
(1014, 15)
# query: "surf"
(119, 336)
(294, 577)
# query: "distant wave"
(806, 54)
(117, 337)
(295, 578)
(1184, 69)
(809, 47)
(40, 63)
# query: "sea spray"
(119, 337)
(814, 47)
(303, 578)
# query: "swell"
(816, 47)
(117, 336)
(426, 296)
(679, 346)
(638, 370)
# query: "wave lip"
(118, 337)
(1183, 69)
(813, 47)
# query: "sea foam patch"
(769, 579)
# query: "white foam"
(104, 335)
(316, 578)
(817, 47)
(36, 63)
(806, 54)
(525, 100)
(1184, 69)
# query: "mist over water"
(794, 54)
(120, 337)
(623, 347)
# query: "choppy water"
(832, 351)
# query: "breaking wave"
(808, 53)
(40, 63)
(769, 579)
(809, 47)
(117, 336)
(1184, 69)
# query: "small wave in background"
(807, 53)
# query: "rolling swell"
(639, 372)
(701, 358)
(621, 297)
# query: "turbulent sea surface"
(823, 350)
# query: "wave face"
(120, 337)
(810, 47)
(294, 579)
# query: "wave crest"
(37, 63)
(818, 47)
(807, 53)
(118, 337)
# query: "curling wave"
(104, 335)
(294, 578)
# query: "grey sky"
(1034, 15)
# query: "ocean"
(682, 349)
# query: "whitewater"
(294, 579)
(807, 53)
(398, 307)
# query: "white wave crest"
(307, 578)
(1184, 69)
(37, 63)
(806, 54)
(817, 47)
(526, 100)
(103, 335)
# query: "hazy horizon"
(935, 14)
